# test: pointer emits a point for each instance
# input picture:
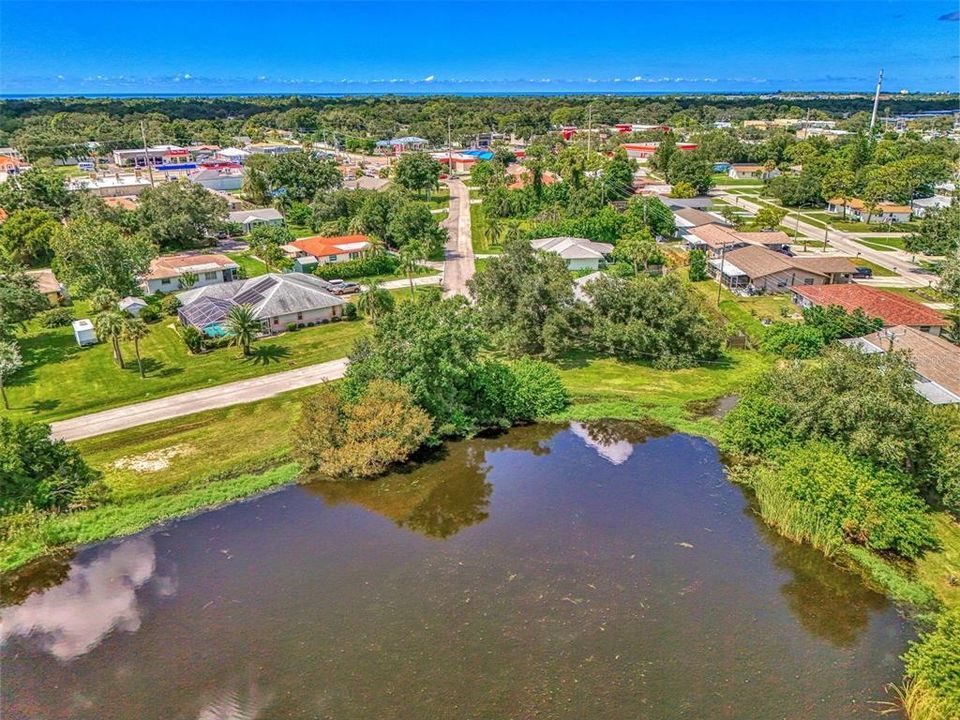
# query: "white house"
(858, 211)
(132, 305)
(579, 253)
(326, 249)
(249, 219)
(743, 171)
(84, 333)
(921, 206)
(218, 178)
(232, 154)
(165, 272)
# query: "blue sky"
(358, 47)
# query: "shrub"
(361, 437)
(291, 326)
(336, 318)
(933, 663)
(536, 390)
(192, 338)
(362, 267)
(151, 314)
(56, 317)
(817, 494)
(698, 265)
(792, 340)
(350, 311)
(170, 304)
(40, 472)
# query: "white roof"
(937, 201)
(233, 151)
(81, 325)
(571, 248)
(130, 301)
(247, 216)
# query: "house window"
(332, 259)
(209, 276)
(924, 328)
(299, 316)
(276, 320)
(808, 281)
(354, 256)
(165, 281)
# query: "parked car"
(863, 273)
(342, 287)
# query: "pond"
(590, 571)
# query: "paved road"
(458, 266)
(235, 393)
(847, 243)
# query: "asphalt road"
(458, 266)
(235, 393)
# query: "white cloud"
(428, 78)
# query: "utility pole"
(876, 101)
(449, 150)
(723, 253)
(146, 158)
(797, 232)
(589, 128)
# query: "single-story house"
(745, 171)
(687, 219)
(110, 185)
(756, 269)
(218, 178)
(327, 249)
(165, 272)
(84, 332)
(132, 305)
(891, 308)
(936, 362)
(883, 212)
(714, 239)
(521, 176)
(921, 206)
(646, 150)
(47, 284)
(579, 253)
(9, 164)
(249, 219)
(277, 300)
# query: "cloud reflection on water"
(97, 597)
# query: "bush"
(792, 340)
(291, 326)
(39, 472)
(817, 494)
(336, 318)
(698, 265)
(192, 338)
(933, 663)
(536, 390)
(350, 311)
(151, 314)
(363, 267)
(56, 317)
(170, 304)
(361, 437)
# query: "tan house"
(48, 285)
(714, 238)
(937, 362)
(858, 211)
(754, 269)
(744, 171)
(165, 272)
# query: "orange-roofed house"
(309, 252)
(9, 164)
(891, 308)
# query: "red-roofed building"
(645, 150)
(310, 251)
(891, 308)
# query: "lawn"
(606, 388)
(748, 312)
(437, 199)
(724, 180)
(882, 243)
(861, 227)
(920, 295)
(878, 270)
(249, 266)
(940, 570)
(62, 380)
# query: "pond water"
(590, 571)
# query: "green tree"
(242, 326)
(256, 187)
(110, 324)
(521, 295)
(411, 255)
(187, 280)
(691, 169)
(40, 472)
(637, 249)
(25, 237)
(104, 299)
(181, 214)
(617, 178)
(939, 233)
(38, 187)
(361, 437)
(412, 222)
(135, 330)
(19, 299)
(10, 362)
(683, 190)
(89, 254)
(300, 176)
(768, 218)
(793, 340)
(839, 183)
(698, 265)
(266, 242)
(417, 172)
(374, 302)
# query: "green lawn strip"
(250, 266)
(722, 180)
(300, 231)
(882, 243)
(862, 227)
(62, 380)
(435, 200)
(920, 295)
(748, 312)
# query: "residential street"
(459, 265)
(846, 243)
(234, 393)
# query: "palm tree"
(374, 300)
(187, 280)
(377, 246)
(243, 326)
(491, 231)
(410, 257)
(110, 324)
(103, 299)
(136, 329)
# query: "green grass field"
(250, 266)
(61, 380)
(724, 180)
(882, 243)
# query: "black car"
(863, 273)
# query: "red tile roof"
(325, 246)
(893, 309)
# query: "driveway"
(235, 393)
(458, 266)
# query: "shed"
(132, 305)
(84, 333)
